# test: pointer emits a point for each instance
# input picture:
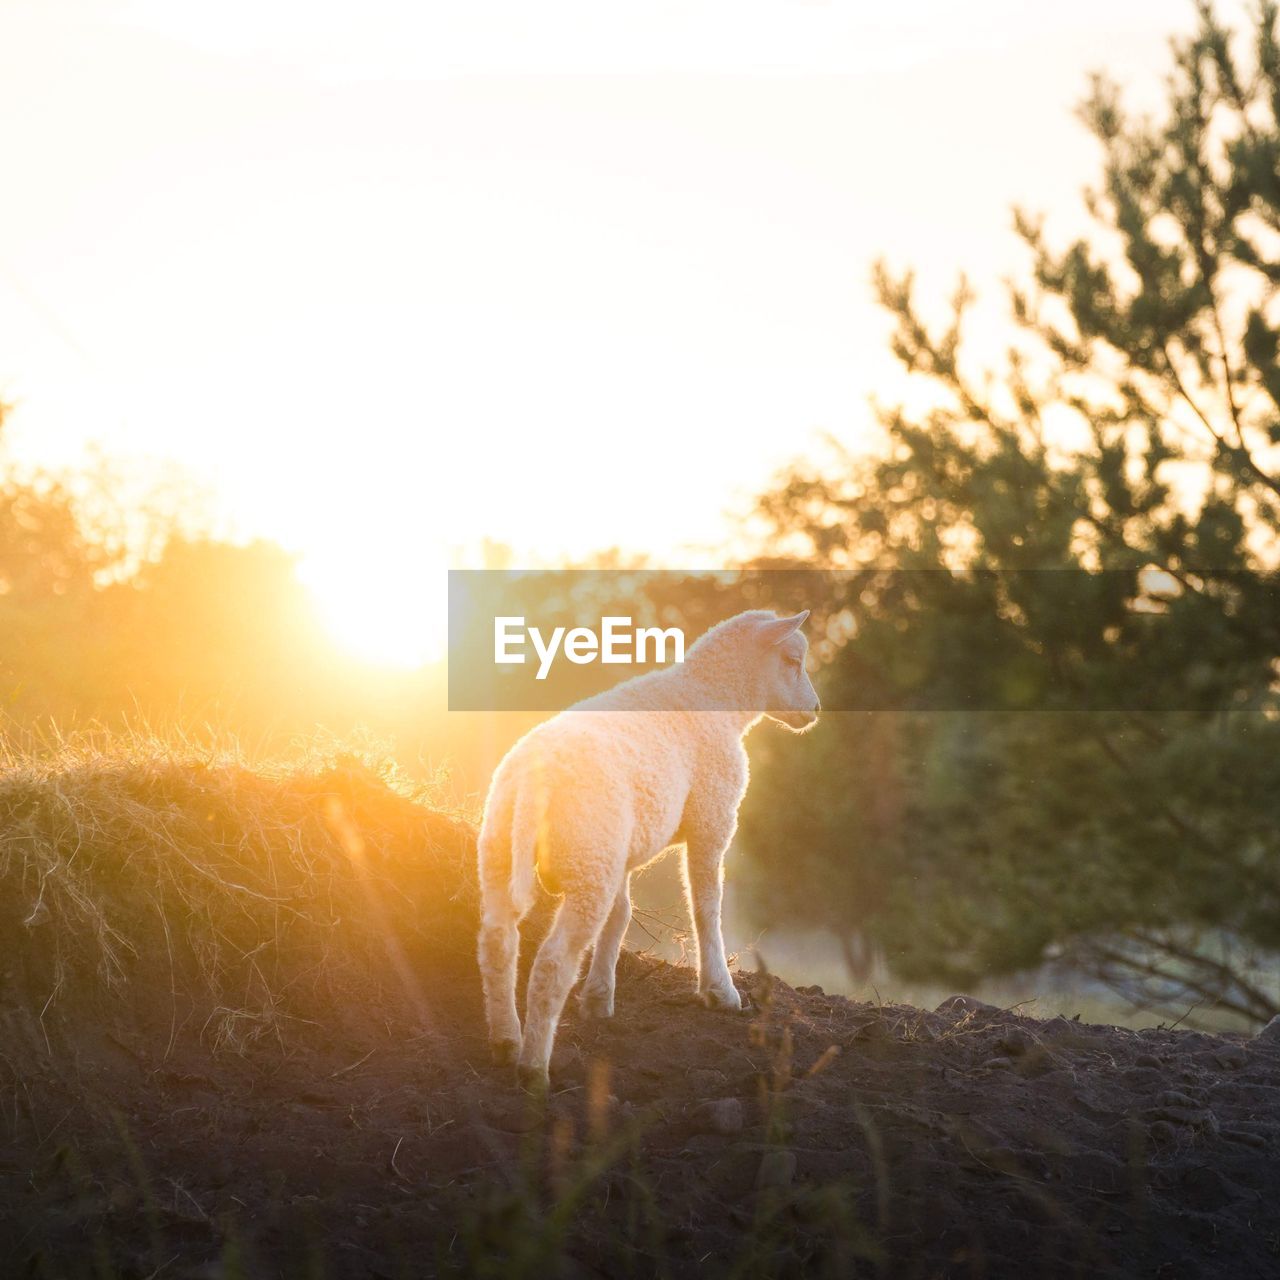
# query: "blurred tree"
(48, 569)
(214, 630)
(1130, 437)
(42, 550)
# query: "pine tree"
(1100, 516)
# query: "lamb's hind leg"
(596, 1000)
(555, 970)
(499, 946)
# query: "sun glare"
(387, 613)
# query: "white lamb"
(605, 787)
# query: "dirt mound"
(812, 1136)
(241, 1036)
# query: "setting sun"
(383, 611)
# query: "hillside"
(240, 1035)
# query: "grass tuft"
(137, 872)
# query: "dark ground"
(814, 1136)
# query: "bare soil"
(810, 1136)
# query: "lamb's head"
(764, 655)
(789, 696)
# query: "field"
(241, 1037)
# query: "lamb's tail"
(528, 836)
(513, 840)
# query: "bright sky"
(390, 278)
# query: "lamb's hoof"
(534, 1080)
(504, 1052)
(595, 1004)
(729, 1001)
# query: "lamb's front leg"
(704, 879)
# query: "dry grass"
(184, 882)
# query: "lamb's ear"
(779, 629)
